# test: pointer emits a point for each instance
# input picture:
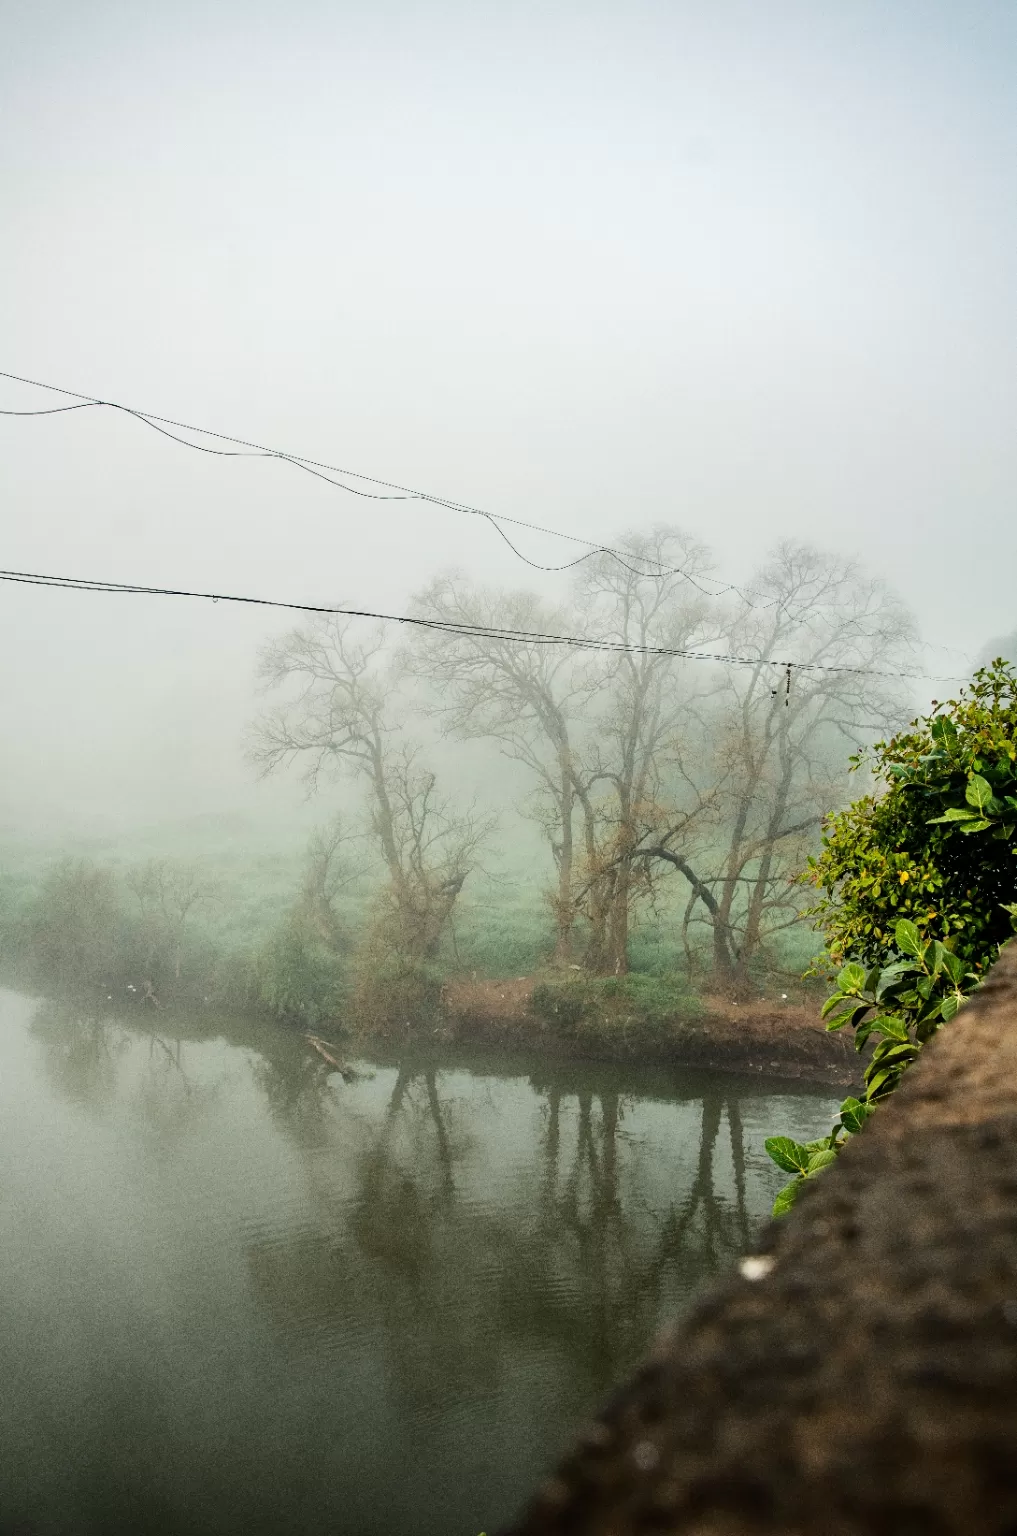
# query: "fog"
(746, 269)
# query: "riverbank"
(757, 1036)
(589, 1020)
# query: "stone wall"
(858, 1375)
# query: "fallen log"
(324, 1049)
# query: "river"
(240, 1294)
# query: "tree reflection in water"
(453, 1262)
(82, 1048)
(566, 1254)
(85, 1053)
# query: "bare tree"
(167, 894)
(528, 697)
(341, 714)
(590, 724)
(651, 608)
(778, 732)
(326, 873)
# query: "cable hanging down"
(390, 490)
(457, 627)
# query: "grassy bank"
(240, 930)
(650, 1020)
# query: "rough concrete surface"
(866, 1381)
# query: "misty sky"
(747, 267)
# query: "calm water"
(237, 1294)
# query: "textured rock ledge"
(860, 1374)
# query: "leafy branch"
(954, 870)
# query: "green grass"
(239, 949)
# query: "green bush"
(395, 990)
(937, 845)
(69, 932)
(300, 978)
(589, 1007)
(920, 892)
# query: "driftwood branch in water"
(321, 1046)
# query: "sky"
(745, 267)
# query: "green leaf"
(787, 1154)
(863, 1032)
(852, 1016)
(926, 1029)
(851, 979)
(949, 1009)
(953, 965)
(853, 1115)
(955, 813)
(893, 977)
(978, 792)
(943, 730)
(879, 1081)
(892, 1027)
(787, 1197)
(822, 1159)
(975, 826)
(889, 1053)
(908, 939)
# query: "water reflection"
(81, 1052)
(436, 1269)
(565, 1252)
(85, 1052)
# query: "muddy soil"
(772, 1037)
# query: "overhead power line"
(456, 626)
(390, 491)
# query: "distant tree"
(777, 737)
(325, 875)
(651, 608)
(590, 725)
(168, 893)
(301, 971)
(527, 697)
(71, 927)
(341, 715)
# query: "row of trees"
(79, 930)
(640, 761)
(159, 932)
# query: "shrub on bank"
(393, 993)
(615, 1010)
(299, 978)
(919, 890)
(69, 934)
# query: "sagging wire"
(458, 627)
(391, 491)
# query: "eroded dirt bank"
(784, 1039)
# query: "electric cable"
(391, 491)
(456, 627)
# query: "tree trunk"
(564, 904)
(617, 957)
